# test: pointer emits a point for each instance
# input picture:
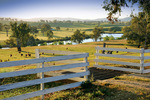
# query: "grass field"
(100, 90)
(63, 32)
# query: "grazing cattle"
(1, 60)
(10, 55)
(103, 52)
(42, 53)
(66, 48)
(53, 63)
(26, 55)
(29, 55)
(116, 51)
(53, 53)
(8, 60)
(21, 54)
(19, 51)
(126, 48)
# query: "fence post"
(86, 67)
(37, 52)
(97, 57)
(42, 84)
(142, 60)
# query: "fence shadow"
(102, 74)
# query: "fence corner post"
(86, 68)
(97, 57)
(142, 60)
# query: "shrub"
(106, 38)
(61, 43)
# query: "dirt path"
(107, 76)
(102, 74)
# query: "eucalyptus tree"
(115, 7)
(1, 26)
(78, 37)
(45, 27)
(97, 31)
(6, 28)
(33, 30)
(138, 31)
(49, 34)
(21, 33)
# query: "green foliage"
(54, 43)
(45, 43)
(57, 28)
(68, 43)
(1, 26)
(6, 28)
(114, 29)
(111, 38)
(31, 41)
(33, 30)
(78, 37)
(97, 33)
(138, 32)
(11, 42)
(49, 34)
(45, 27)
(61, 43)
(115, 6)
(106, 38)
(21, 33)
(0, 46)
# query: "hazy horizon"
(78, 9)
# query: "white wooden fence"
(41, 70)
(140, 65)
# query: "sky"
(82, 9)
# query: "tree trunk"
(7, 32)
(18, 44)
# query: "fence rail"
(41, 70)
(141, 65)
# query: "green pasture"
(99, 91)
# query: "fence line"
(141, 58)
(41, 70)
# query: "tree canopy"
(6, 28)
(49, 34)
(97, 32)
(139, 31)
(78, 37)
(21, 33)
(115, 6)
(33, 30)
(45, 27)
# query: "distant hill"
(74, 19)
(125, 19)
(71, 19)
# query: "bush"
(61, 43)
(111, 38)
(0, 46)
(106, 38)
(45, 43)
(68, 43)
(54, 43)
